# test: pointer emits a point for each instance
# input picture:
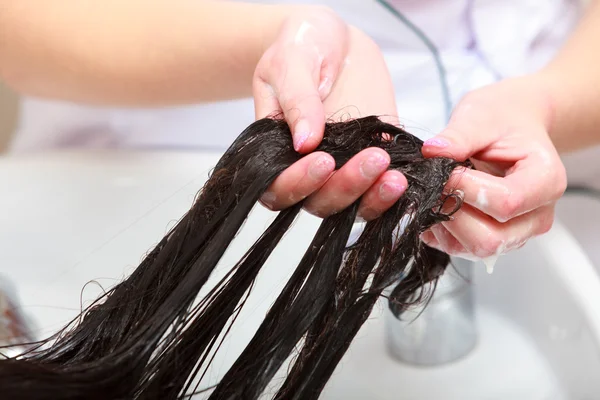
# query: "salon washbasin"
(74, 223)
(537, 336)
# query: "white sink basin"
(535, 343)
(70, 218)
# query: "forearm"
(572, 81)
(135, 52)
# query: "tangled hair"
(150, 337)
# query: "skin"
(513, 131)
(307, 64)
(287, 57)
(355, 93)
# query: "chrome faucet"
(442, 332)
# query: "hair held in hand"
(152, 336)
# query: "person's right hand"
(317, 68)
(510, 196)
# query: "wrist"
(559, 98)
(539, 89)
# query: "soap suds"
(482, 200)
(505, 247)
(490, 262)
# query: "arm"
(513, 132)
(572, 81)
(164, 52)
(135, 52)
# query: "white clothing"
(479, 42)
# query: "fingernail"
(268, 199)
(427, 237)
(367, 214)
(325, 85)
(301, 134)
(373, 166)
(321, 168)
(389, 191)
(438, 142)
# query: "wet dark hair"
(151, 337)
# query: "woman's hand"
(317, 68)
(510, 197)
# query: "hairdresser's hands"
(503, 129)
(318, 68)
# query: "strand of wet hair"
(147, 338)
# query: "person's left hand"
(510, 196)
(319, 68)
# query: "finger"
(430, 240)
(299, 181)
(463, 136)
(304, 111)
(532, 183)
(483, 236)
(349, 183)
(382, 195)
(448, 243)
(295, 78)
(329, 74)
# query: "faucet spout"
(442, 331)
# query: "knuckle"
(489, 246)
(545, 223)
(560, 181)
(512, 205)
(556, 177)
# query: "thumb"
(303, 110)
(302, 97)
(297, 97)
(297, 89)
(300, 94)
(471, 129)
(456, 142)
